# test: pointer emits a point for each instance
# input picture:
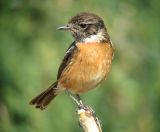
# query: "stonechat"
(87, 61)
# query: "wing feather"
(67, 58)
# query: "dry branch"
(88, 120)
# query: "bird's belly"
(86, 71)
(83, 78)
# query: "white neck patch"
(95, 38)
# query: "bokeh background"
(31, 50)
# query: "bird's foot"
(77, 99)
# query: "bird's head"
(87, 27)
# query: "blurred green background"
(31, 50)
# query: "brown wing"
(67, 58)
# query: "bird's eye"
(84, 26)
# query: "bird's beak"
(67, 27)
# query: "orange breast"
(89, 66)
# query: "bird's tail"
(43, 99)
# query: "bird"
(87, 61)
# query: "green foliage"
(31, 50)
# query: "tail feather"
(43, 99)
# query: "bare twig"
(87, 117)
(88, 120)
